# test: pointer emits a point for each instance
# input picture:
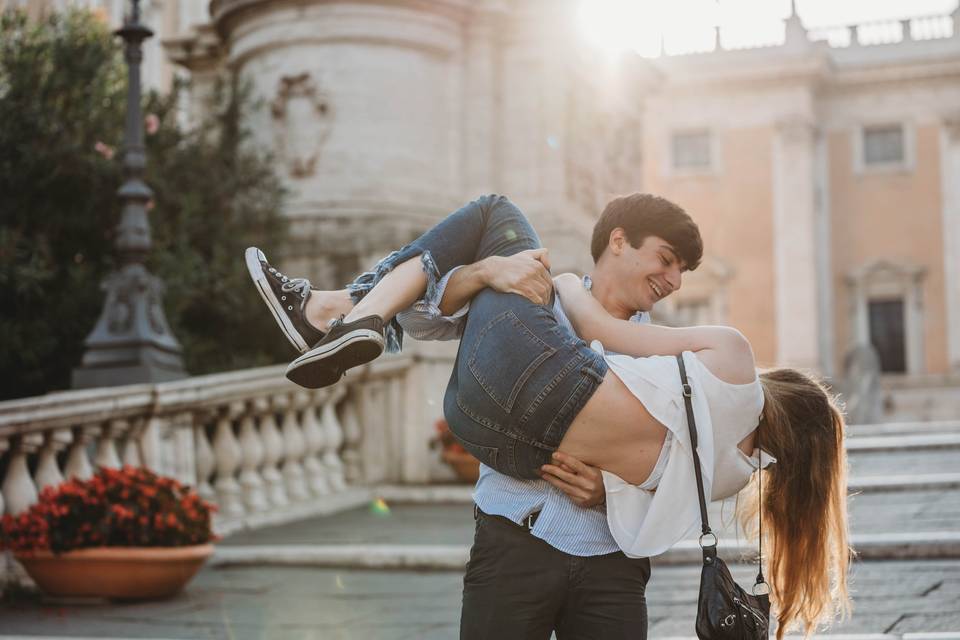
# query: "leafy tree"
(62, 100)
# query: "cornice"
(224, 12)
(736, 69)
(906, 72)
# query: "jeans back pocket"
(505, 356)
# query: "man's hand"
(582, 483)
(525, 273)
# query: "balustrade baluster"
(352, 436)
(130, 443)
(48, 471)
(333, 439)
(204, 458)
(293, 449)
(226, 453)
(4, 444)
(19, 492)
(106, 452)
(272, 452)
(78, 464)
(314, 438)
(251, 450)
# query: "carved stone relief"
(302, 119)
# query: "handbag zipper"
(756, 614)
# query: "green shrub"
(62, 105)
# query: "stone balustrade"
(262, 449)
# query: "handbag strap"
(692, 426)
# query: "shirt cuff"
(424, 320)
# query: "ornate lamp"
(131, 341)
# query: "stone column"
(950, 196)
(481, 98)
(822, 241)
(795, 245)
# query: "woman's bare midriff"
(614, 431)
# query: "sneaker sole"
(253, 257)
(323, 366)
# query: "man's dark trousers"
(518, 587)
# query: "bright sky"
(687, 25)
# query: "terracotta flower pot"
(464, 465)
(122, 573)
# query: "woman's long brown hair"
(804, 501)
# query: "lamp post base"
(131, 342)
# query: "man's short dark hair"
(644, 214)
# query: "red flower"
(128, 506)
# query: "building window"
(690, 150)
(887, 334)
(883, 145)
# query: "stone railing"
(934, 27)
(262, 449)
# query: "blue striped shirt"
(563, 525)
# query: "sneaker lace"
(296, 285)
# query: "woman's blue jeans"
(520, 376)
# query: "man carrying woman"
(526, 385)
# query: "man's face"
(649, 272)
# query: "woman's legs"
(490, 225)
(325, 306)
(398, 290)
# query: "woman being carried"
(524, 386)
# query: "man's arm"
(525, 273)
(592, 322)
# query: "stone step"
(916, 482)
(934, 635)
(903, 428)
(453, 557)
(913, 442)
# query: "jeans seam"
(579, 397)
(496, 428)
(533, 366)
(571, 364)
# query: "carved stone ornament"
(302, 118)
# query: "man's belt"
(526, 524)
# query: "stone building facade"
(824, 171)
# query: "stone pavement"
(891, 597)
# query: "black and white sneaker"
(286, 298)
(346, 345)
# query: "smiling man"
(543, 557)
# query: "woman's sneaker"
(286, 298)
(346, 345)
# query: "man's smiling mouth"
(656, 289)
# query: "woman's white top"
(648, 519)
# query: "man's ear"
(617, 241)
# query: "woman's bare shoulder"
(730, 357)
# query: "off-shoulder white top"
(648, 519)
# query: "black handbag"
(724, 609)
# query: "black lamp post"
(131, 341)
